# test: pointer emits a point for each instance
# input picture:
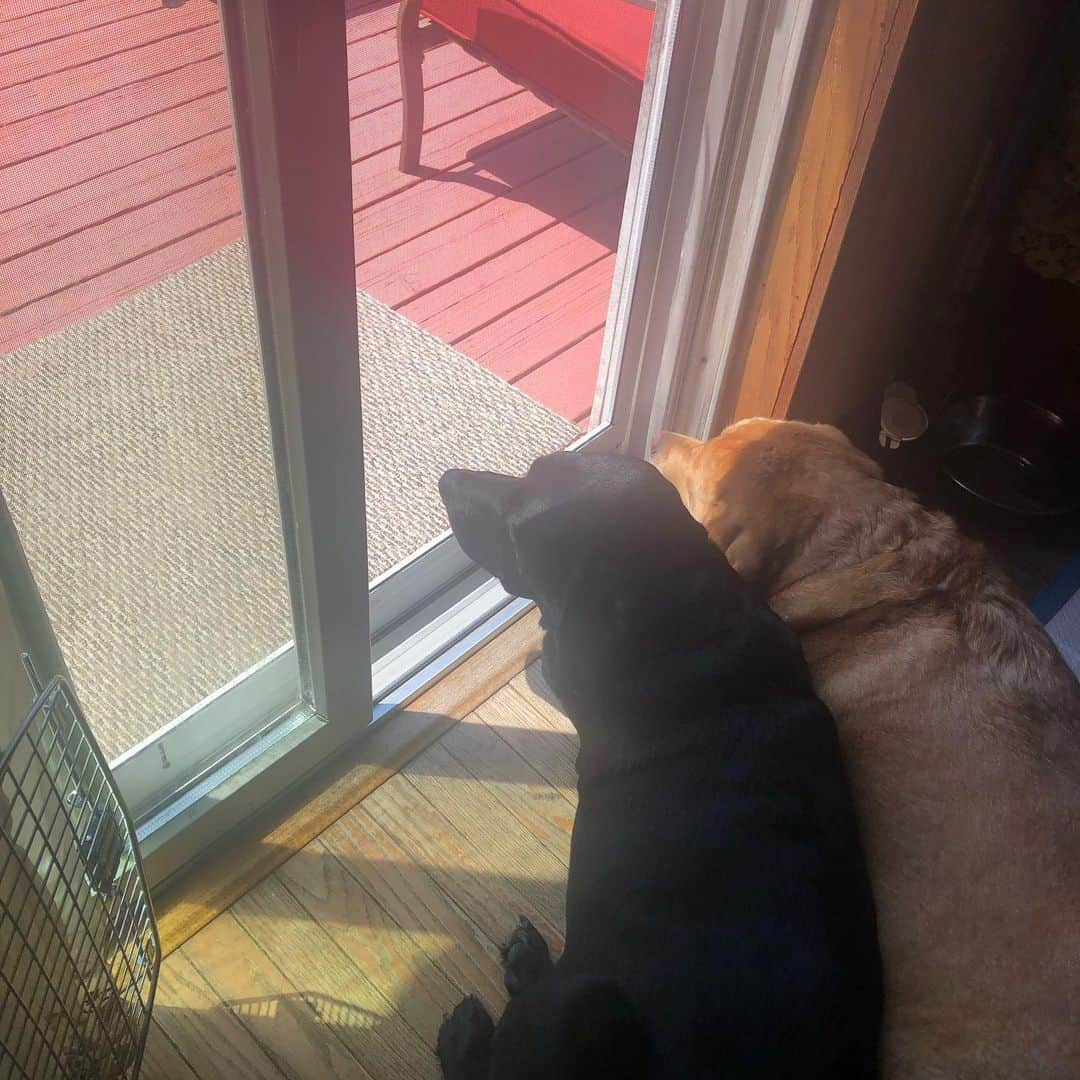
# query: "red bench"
(585, 57)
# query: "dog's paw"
(525, 957)
(464, 1044)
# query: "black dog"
(719, 920)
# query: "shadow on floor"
(299, 1034)
(508, 163)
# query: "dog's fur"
(960, 725)
(719, 918)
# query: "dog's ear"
(478, 505)
(741, 545)
(744, 551)
(673, 455)
(755, 555)
(547, 552)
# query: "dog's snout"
(672, 453)
(463, 490)
(450, 484)
(476, 491)
(665, 444)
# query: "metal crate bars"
(79, 951)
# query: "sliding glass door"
(501, 249)
(181, 447)
(380, 251)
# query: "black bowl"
(1012, 455)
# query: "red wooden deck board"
(370, 19)
(98, 154)
(54, 91)
(376, 51)
(94, 251)
(61, 310)
(85, 252)
(377, 177)
(488, 291)
(203, 107)
(27, 22)
(370, 91)
(133, 101)
(493, 174)
(68, 212)
(566, 384)
(135, 216)
(542, 327)
(24, 30)
(125, 172)
(16, 9)
(459, 245)
(80, 206)
(112, 109)
(382, 128)
(57, 90)
(62, 54)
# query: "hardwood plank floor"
(117, 168)
(342, 962)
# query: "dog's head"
(771, 493)
(621, 572)
(570, 515)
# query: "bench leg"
(410, 63)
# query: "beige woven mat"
(135, 456)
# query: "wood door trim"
(853, 84)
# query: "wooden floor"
(117, 168)
(342, 963)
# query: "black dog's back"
(716, 872)
(719, 915)
(736, 920)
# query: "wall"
(912, 102)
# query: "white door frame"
(713, 172)
(288, 83)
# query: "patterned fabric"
(135, 456)
(1046, 231)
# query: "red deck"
(117, 168)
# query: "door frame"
(287, 72)
(852, 68)
(752, 63)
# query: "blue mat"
(1058, 608)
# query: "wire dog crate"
(79, 951)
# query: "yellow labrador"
(960, 723)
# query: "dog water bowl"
(1011, 455)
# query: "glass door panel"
(490, 192)
(135, 449)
